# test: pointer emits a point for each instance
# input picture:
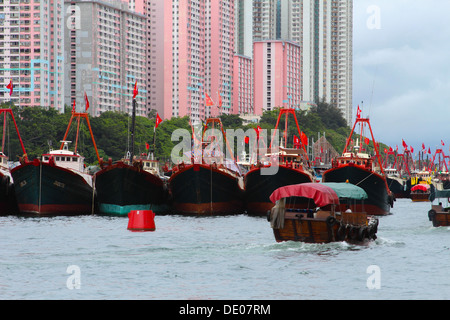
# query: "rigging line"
(364, 179)
(373, 86)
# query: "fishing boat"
(56, 184)
(330, 215)
(290, 166)
(8, 204)
(132, 183)
(359, 168)
(397, 184)
(438, 214)
(122, 187)
(209, 184)
(421, 192)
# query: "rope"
(364, 178)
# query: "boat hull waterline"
(45, 189)
(122, 188)
(199, 189)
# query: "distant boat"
(210, 186)
(8, 204)
(421, 192)
(438, 214)
(397, 184)
(358, 168)
(57, 184)
(292, 167)
(329, 215)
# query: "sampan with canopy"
(321, 193)
(324, 225)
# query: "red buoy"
(141, 220)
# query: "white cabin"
(65, 158)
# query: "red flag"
(158, 121)
(10, 87)
(442, 142)
(73, 108)
(304, 138)
(208, 100)
(429, 151)
(86, 101)
(135, 90)
(358, 113)
(147, 146)
(366, 140)
(412, 149)
(423, 146)
(258, 130)
(390, 149)
(296, 140)
(404, 144)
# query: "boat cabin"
(3, 161)
(65, 158)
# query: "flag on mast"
(10, 87)
(135, 90)
(86, 101)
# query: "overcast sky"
(401, 70)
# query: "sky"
(401, 70)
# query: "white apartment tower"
(325, 31)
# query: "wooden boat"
(211, 185)
(57, 184)
(292, 164)
(362, 170)
(420, 192)
(439, 215)
(328, 217)
(8, 204)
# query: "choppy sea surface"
(215, 258)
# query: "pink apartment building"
(277, 75)
(191, 52)
(242, 85)
(32, 50)
(106, 54)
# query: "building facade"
(277, 75)
(32, 50)
(324, 29)
(107, 55)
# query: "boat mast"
(86, 117)
(133, 124)
(5, 111)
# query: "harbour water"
(217, 258)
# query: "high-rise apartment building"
(277, 75)
(106, 54)
(32, 50)
(191, 54)
(243, 85)
(324, 30)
